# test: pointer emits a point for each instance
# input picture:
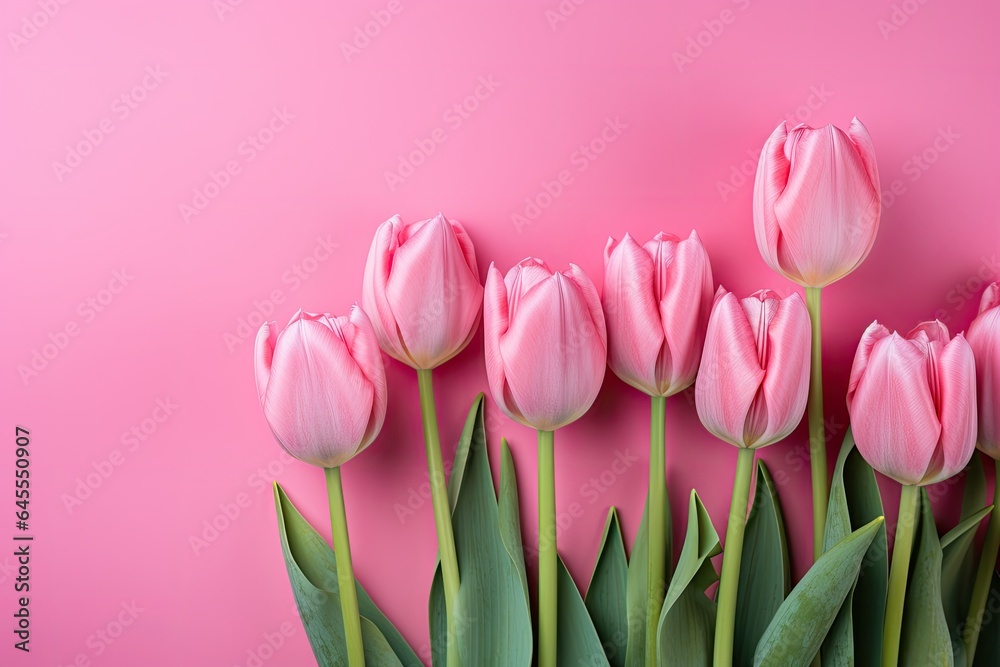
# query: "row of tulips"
(661, 326)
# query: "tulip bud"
(984, 337)
(912, 402)
(657, 298)
(816, 202)
(754, 378)
(546, 344)
(422, 290)
(322, 386)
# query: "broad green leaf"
(606, 595)
(638, 573)
(988, 648)
(312, 571)
(510, 518)
(974, 493)
(958, 575)
(804, 618)
(925, 638)
(494, 621)
(765, 577)
(856, 635)
(686, 629)
(577, 642)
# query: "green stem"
(902, 546)
(345, 570)
(548, 555)
(817, 427)
(442, 510)
(984, 577)
(731, 557)
(657, 566)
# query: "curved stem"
(657, 566)
(817, 427)
(548, 555)
(442, 510)
(345, 570)
(984, 578)
(731, 556)
(902, 546)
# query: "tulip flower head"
(422, 290)
(322, 385)
(984, 337)
(546, 344)
(753, 382)
(657, 299)
(912, 402)
(816, 202)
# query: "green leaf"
(958, 575)
(988, 648)
(312, 571)
(638, 573)
(765, 578)
(974, 494)
(577, 642)
(606, 595)
(494, 620)
(804, 618)
(856, 635)
(686, 630)
(925, 638)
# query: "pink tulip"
(912, 402)
(322, 385)
(754, 378)
(546, 345)
(816, 202)
(984, 337)
(422, 290)
(657, 298)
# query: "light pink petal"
(862, 141)
(893, 416)
(495, 323)
(375, 285)
(465, 242)
(874, 333)
(363, 345)
(435, 297)
(955, 372)
(553, 354)
(523, 277)
(934, 331)
(786, 382)
(267, 336)
(772, 175)
(730, 372)
(635, 333)
(984, 337)
(991, 298)
(585, 287)
(609, 248)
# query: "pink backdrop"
(172, 170)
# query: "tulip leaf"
(765, 577)
(988, 648)
(686, 631)
(798, 629)
(925, 638)
(312, 571)
(494, 620)
(577, 642)
(974, 493)
(606, 595)
(638, 574)
(958, 574)
(856, 635)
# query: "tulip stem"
(817, 427)
(442, 510)
(984, 577)
(548, 555)
(345, 570)
(657, 566)
(732, 555)
(902, 546)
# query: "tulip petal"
(786, 382)
(955, 371)
(984, 337)
(874, 333)
(772, 174)
(364, 348)
(495, 322)
(991, 298)
(893, 415)
(374, 288)
(263, 352)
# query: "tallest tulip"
(422, 291)
(816, 209)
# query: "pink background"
(927, 87)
